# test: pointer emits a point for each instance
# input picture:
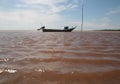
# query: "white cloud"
(51, 6)
(24, 16)
(114, 11)
(27, 18)
(44, 2)
(96, 25)
(105, 20)
(30, 13)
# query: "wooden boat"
(66, 29)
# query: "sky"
(32, 14)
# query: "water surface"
(32, 57)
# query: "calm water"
(32, 57)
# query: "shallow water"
(32, 57)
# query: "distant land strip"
(108, 30)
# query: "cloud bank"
(30, 13)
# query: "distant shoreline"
(108, 30)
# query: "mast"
(82, 17)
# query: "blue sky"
(31, 14)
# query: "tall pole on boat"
(82, 16)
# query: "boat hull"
(57, 30)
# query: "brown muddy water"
(32, 57)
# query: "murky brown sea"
(31, 57)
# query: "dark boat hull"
(57, 30)
(66, 29)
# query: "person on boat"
(66, 27)
(43, 27)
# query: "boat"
(66, 29)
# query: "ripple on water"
(70, 58)
(8, 70)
